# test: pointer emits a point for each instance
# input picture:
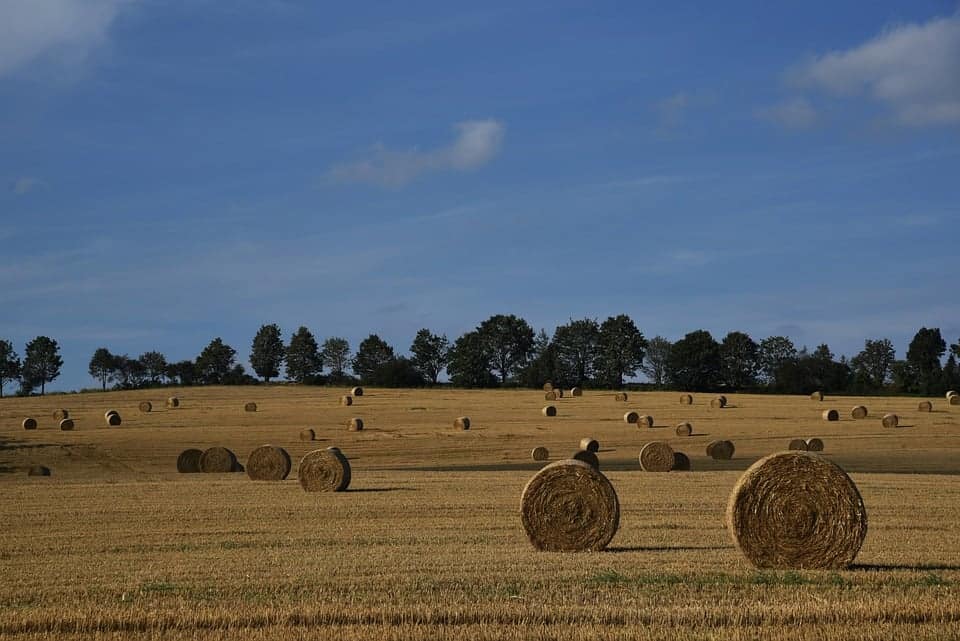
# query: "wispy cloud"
(24, 185)
(793, 113)
(912, 69)
(477, 142)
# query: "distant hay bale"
(681, 462)
(814, 445)
(29, 423)
(356, 391)
(631, 417)
(576, 391)
(66, 424)
(831, 415)
(268, 463)
(645, 420)
(324, 471)
(189, 461)
(860, 411)
(686, 399)
(549, 410)
(890, 420)
(717, 403)
(38, 470)
(346, 401)
(548, 387)
(569, 506)
(218, 460)
(540, 453)
(60, 414)
(146, 407)
(816, 396)
(720, 450)
(550, 396)
(620, 396)
(250, 407)
(113, 420)
(308, 434)
(106, 415)
(954, 400)
(588, 457)
(795, 510)
(462, 423)
(952, 393)
(656, 456)
(684, 429)
(589, 444)
(173, 402)
(558, 391)
(355, 424)
(798, 444)
(925, 406)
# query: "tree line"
(504, 350)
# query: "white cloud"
(913, 69)
(64, 30)
(477, 142)
(794, 113)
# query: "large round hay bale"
(631, 417)
(106, 415)
(686, 399)
(60, 414)
(925, 406)
(952, 393)
(355, 424)
(681, 462)
(798, 444)
(346, 401)
(29, 423)
(656, 456)
(797, 510)
(268, 463)
(66, 424)
(814, 445)
(558, 391)
(831, 415)
(954, 400)
(324, 471)
(589, 444)
(684, 429)
(356, 391)
(569, 506)
(721, 450)
(718, 402)
(576, 391)
(173, 402)
(645, 420)
(145, 406)
(620, 396)
(38, 470)
(113, 420)
(250, 407)
(218, 460)
(540, 453)
(860, 411)
(549, 410)
(462, 423)
(588, 457)
(308, 434)
(550, 396)
(890, 420)
(548, 387)
(189, 461)
(816, 396)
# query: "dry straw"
(308, 434)
(718, 402)
(587, 457)
(29, 423)
(814, 445)
(798, 444)
(356, 391)
(173, 402)
(589, 444)
(189, 461)
(860, 411)
(816, 396)
(107, 414)
(797, 510)
(145, 406)
(60, 414)
(831, 415)
(631, 417)
(645, 421)
(681, 462)
(684, 429)
(558, 391)
(113, 420)
(268, 463)
(346, 401)
(656, 456)
(890, 420)
(569, 506)
(925, 406)
(540, 453)
(250, 407)
(576, 391)
(355, 424)
(952, 393)
(550, 396)
(38, 470)
(549, 410)
(620, 396)
(218, 460)
(954, 400)
(324, 471)
(686, 399)
(720, 450)
(66, 424)
(462, 423)
(548, 387)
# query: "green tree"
(215, 362)
(372, 353)
(397, 372)
(621, 350)
(923, 359)
(951, 373)
(469, 364)
(336, 356)
(267, 352)
(154, 366)
(303, 356)
(871, 366)
(9, 364)
(129, 373)
(508, 340)
(774, 352)
(102, 366)
(430, 354)
(694, 362)
(738, 361)
(184, 372)
(41, 362)
(578, 351)
(542, 365)
(656, 359)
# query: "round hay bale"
(173, 402)
(462, 423)
(681, 462)
(620, 396)
(114, 420)
(189, 461)
(38, 470)
(587, 457)
(860, 411)
(558, 391)
(549, 410)
(145, 406)
(356, 391)
(355, 424)
(816, 396)
(656, 456)
(684, 429)
(631, 417)
(798, 444)
(218, 460)
(718, 402)
(540, 453)
(831, 415)
(550, 396)
(686, 399)
(589, 444)
(346, 401)
(324, 471)
(60, 414)
(106, 415)
(250, 407)
(576, 391)
(814, 445)
(569, 506)
(268, 463)
(645, 421)
(29, 423)
(721, 450)
(952, 393)
(925, 406)
(308, 434)
(954, 400)
(548, 387)
(797, 510)
(66, 424)
(890, 420)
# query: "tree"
(508, 341)
(542, 364)
(923, 359)
(154, 366)
(372, 353)
(774, 352)
(267, 352)
(336, 356)
(215, 362)
(694, 362)
(9, 364)
(103, 364)
(578, 351)
(621, 350)
(469, 363)
(184, 372)
(655, 362)
(738, 361)
(397, 372)
(41, 362)
(430, 354)
(303, 356)
(951, 373)
(871, 366)
(129, 373)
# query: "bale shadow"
(666, 548)
(880, 567)
(381, 489)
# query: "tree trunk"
(43, 385)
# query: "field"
(428, 542)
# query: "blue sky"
(172, 171)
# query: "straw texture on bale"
(355, 424)
(798, 444)
(356, 391)
(173, 402)
(146, 407)
(620, 396)
(684, 429)
(645, 420)
(346, 401)
(797, 510)
(558, 391)
(550, 396)
(860, 411)
(925, 406)
(890, 420)
(113, 420)
(952, 393)
(324, 471)
(462, 423)
(307, 434)
(814, 445)
(681, 462)
(569, 506)
(954, 400)
(576, 391)
(29, 423)
(686, 399)
(831, 415)
(588, 457)
(218, 460)
(549, 410)
(250, 407)
(66, 424)
(38, 470)
(60, 414)
(631, 417)
(268, 463)
(548, 387)
(107, 414)
(720, 450)
(589, 444)
(189, 461)
(656, 456)
(718, 402)
(816, 396)
(540, 453)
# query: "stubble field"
(428, 542)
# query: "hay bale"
(239, 468)
(113, 420)
(145, 406)
(645, 420)
(569, 506)
(60, 414)
(831, 415)
(890, 420)
(66, 424)
(798, 444)
(656, 456)
(631, 417)
(540, 453)
(550, 396)
(189, 461)
(29, 423)
(860, 411)
(324, 471)
(218, 460)
(576, 391)
(925, 406)
(173, 402)
(952, 393)
(686, 399)
(681, 462)
(549, 410)
(797, 510)
(548, 387)
(462, 423)
(346, 401)
(308, 434)
(720, 450)
(954, 400)
(355, 424)
(684, 429)
(620, 396)
(356, 391)
(719, 402)
(589, 444)
(814, 445)
(816, 396)
(250, 407)
(106, 415)
(38, 470)
(587, 457)
(268, 463)
(558, 391)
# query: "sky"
(176, 170)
